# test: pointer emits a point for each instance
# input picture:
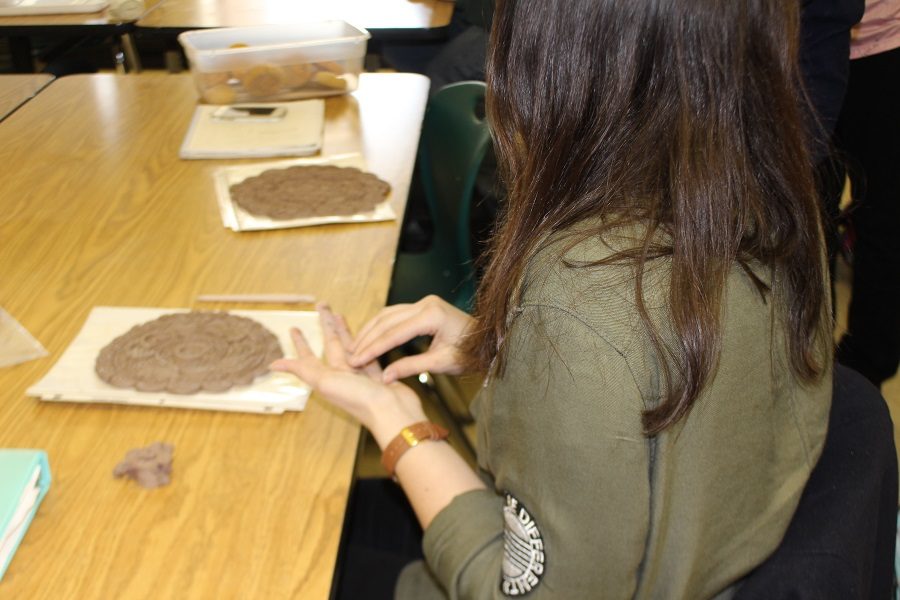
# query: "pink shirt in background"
(879, 30)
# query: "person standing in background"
(868, 131)
(463, 58)
(458, 55)
(825, 65)
(825, 62)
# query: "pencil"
(259, 298)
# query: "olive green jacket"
(584, 504)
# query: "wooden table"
(98, 210)
(384, 18)
(15, 90)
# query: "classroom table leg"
(173, 61)
(132, 58)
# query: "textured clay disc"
(300, 192)
(184, 353)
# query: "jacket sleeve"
(561, 433)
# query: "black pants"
(868, 131)
(383, 536)
(841, 541)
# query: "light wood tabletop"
(15, 90)
(369, 14)
(99, 210)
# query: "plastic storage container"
(275, 63)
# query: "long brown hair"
(682, 116)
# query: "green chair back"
(453, 144)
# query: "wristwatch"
(410, 437)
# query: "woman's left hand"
(383, 409)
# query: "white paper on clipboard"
(297, 133)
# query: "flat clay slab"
(185, 353)
(340, 189)
(300, 192)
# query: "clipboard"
(255, 130)
(24, 481)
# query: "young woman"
(653, 320)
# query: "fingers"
(306, 366)
(435, 360)
(343, 330)
(336, 380)
(392, 331)
(391, 328)
(385, 315)
(333, 347)
(371, 368)
(301, 345)
(337, 341)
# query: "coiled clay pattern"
(184, 353)
(310, 191)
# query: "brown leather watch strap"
(407, 438)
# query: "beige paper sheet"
(236, 218)
(72, 378)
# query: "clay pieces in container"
(184, 353)
(299, 192)
(150, 467)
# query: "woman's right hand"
(398, 324)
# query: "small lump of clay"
(150, 467)
(330, 81)
(208, 80)
(297, 75)
(263, 79)
(331, 66)
(220, 94)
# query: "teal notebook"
(24, 480)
